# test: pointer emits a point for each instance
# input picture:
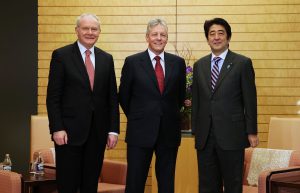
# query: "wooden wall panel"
(266, 31)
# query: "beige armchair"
(112, 178)
(284, 133)
(265, 176)
(10, 182)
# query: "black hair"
(217, 21)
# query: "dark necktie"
(159, 74)
(89, 67)
(215, 72)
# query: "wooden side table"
(32, 182)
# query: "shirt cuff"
(113, 133)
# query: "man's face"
(217, 39)
(88, 31)
(157, 39)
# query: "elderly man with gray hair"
(83, 109)
(152, 92)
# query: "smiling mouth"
(217, 43)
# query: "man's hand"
(253, 140)
(187, 103)
(112, 141)
(60, 137)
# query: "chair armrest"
(10, 181)
(265, 177)
(50, 168)
(113, 172)
(46, 154)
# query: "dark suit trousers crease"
(218, 167)
(139, 160)
(78, 167)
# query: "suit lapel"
(98, 67)
(226, 68)
(169, 66)
(79, 63)
(148, 67)
(207, 71)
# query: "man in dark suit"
(224, 111)
(82, 106)
(152, 92)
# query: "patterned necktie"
(215, 72)
(159, 74)
(89, 67)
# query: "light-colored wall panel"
(278, 73)
(280, 91)
(225, 9)
(277, 110)
(105, 3)
(281, 64)
(110, 20)
(278, 81)
(235, 2)
(106, 10)
(279, 100)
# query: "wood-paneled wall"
(266, 31)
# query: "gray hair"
(154, 22)
(91, 15)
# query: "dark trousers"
(78, 167)
(218, 168)
(139, 160)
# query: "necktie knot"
(157, 58)
(88, 53)
(217, 60)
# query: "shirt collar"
(223, 55)
(152, 55)
(83, 49)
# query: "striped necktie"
(215, 72)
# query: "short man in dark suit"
(152, 92)
(82, 106)
(224, 111)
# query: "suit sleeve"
(249, 97)
(125, 87)
(113, 100)
(54, 93)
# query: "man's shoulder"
(137, 56)
(204, 59)
(237, 55)
(173, 56)
(66, 48)
(102, 52)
